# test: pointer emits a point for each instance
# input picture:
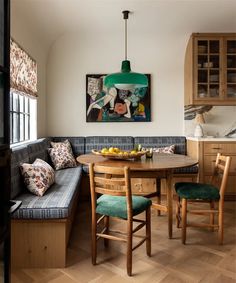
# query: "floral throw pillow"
(65, 145)
(168, 149)
(38, 176)
(62, 157)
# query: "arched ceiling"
(52, 18)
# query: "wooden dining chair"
(210, 193)
(116, 201)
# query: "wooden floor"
(200, 260)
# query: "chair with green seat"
(210, 193)
(116, 200)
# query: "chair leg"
(212, 206)
(148, 231)
(129, 247)
(94, 239)
(158, 190)
(178, 217)
(184, 219)
(106, 223)
(221, 223)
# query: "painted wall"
(219, 121)
(158, 35)
(30, 41)
(74, 55)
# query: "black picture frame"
(114, 105)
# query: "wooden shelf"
(197, 79)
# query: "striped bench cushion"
(187, 170)
(57, 201)
(99, 142)
(77, 144)
(163, 141)
(19, 155)
(38, 149)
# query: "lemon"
(104, 150)
(116, 149)
(111, 150)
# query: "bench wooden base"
(40, 243)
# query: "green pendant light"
(126, 79)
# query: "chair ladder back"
(128, 194)
(110, 180)
(92, 190)
(113, 181)
(220, 173)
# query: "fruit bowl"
(121, 155)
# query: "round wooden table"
(161, 166)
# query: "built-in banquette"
(41, 227)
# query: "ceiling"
(50, 19)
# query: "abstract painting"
(116, 105)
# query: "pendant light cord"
(125, 39)
(126, 16)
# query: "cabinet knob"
(218, 148)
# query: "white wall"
(219, 121)
(80, 37)
(30, 41)
(74, 55)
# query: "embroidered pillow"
(168, 149)
(38, 176)
(65, 145)
(61, 157)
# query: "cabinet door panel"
(207, 67)
(226, 148)
(210, 69)
(230, 68)
(209, 163)
(143, 186)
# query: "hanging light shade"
(126, 79)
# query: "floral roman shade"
(23, 71)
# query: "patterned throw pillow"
(61, 155)
(38, 176)
(168, 149)
(65, 145)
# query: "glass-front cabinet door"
(230, 62)
(208, 68)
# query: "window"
(23, 94)
(22, 118)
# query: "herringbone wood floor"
(200, 260)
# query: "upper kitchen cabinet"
(210, 69)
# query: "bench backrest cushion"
(39, 149)
(77, 144)
(163, 141)
(19, 155)
(99, 142)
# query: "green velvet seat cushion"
(116, 206)
(201, 191)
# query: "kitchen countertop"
(212, 139)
